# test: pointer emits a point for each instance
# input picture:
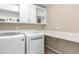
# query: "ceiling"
(44, 5)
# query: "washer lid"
(9, 33)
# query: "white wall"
(64, 16)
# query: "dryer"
(34, 42)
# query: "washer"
(12, 43)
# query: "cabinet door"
(32, 13)
(24, 9)
(10, 7)
(41, 11)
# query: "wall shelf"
(54, 50)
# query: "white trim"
(53, 50)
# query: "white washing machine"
(12, 43)
(34, 42)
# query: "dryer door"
(36, 44)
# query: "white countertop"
(58, 34)
(62, 35)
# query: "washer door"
(12, 45)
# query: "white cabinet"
(9, 7)
(41, 15)
(9, 13)
(27, 13)
(24, 11)
(32, 14)
(41, 11)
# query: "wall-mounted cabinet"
(9, 13)
(27, 13)
(10, 7)
(23, 13)
(41, 15)
(32, 14)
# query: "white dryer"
(34, 42)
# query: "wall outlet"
(57, 28)
(17, 28)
